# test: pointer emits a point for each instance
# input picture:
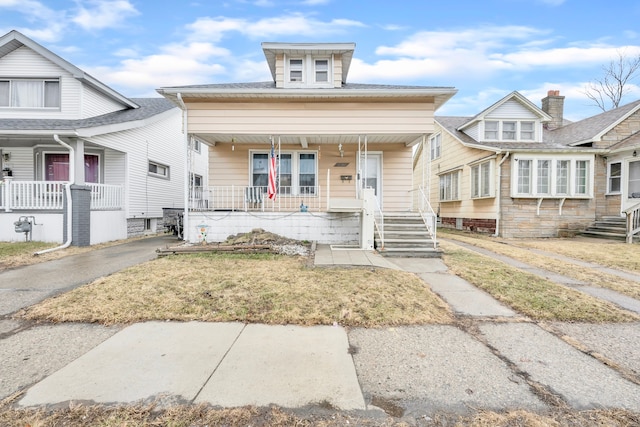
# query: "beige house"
(516, 170)
(343, 150)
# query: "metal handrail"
(378, 221)
(633, 221)
(428, 216)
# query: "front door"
(371, 170)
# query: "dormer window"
(295, 70)
(509, 130)
(322, 70)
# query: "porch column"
(80, 215)
(78, 161)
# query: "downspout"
(67, 188)
(498, 194)
(185, 218)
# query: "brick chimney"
(553, 105)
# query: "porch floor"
(327, 256)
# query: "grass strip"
(529, 294)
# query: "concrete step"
(604, 235)
(411, 252)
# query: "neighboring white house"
(128, 156)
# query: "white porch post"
(78, 161)
(367, 221)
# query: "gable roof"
(15, 40)
(513, 95)
(147, 108)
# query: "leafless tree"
(607, 92)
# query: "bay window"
(552, 177)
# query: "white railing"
(249, 198)
(633, 221)
(428, 215)
(378, 220)
(49, 195)
(33, 195)
(106, 197)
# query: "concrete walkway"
(500, 362)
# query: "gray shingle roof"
(149, 107)
(557, 139)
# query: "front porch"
(44, 204)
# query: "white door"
(372, 173)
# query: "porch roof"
(149, 107)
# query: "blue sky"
(485, 49)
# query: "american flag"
(271, 189)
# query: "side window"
(615, 177)
(295, 70)
(158, 169)
(436, 146)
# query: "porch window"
(436, 146)
(560, 177)
(449, 186)
(30, 93)
(615, 178)
(307, 177)
(297, 172)
(481, 180)
(56, 166)
(634, 180)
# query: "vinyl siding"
(24, 62)
(232, 167)
(455, 155)
(21, 163)
(512, 109)
(310, 118)
(160, 141)
(96, 104)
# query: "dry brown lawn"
(620, 256)
(529, 294)
(202, 415)
(268, 289)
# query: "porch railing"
(254, 198)
(378, 220)
(49, 195)
(633, 221)
(428, 215)
(106, 197)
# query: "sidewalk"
(502, 363)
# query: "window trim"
(609, 177)
(295, 170)
(437, 140)
(479, 182)
(42, 163)
(553, 177)
(290, 69)
(518, 131)
(43, 80)
(455, 196)
(166, 175)
(315, 70)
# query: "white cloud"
(52, 22)
(296, 24)
(100, 14)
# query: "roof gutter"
(67, 188)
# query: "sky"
(484, 48)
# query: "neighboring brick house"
(517, 170)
